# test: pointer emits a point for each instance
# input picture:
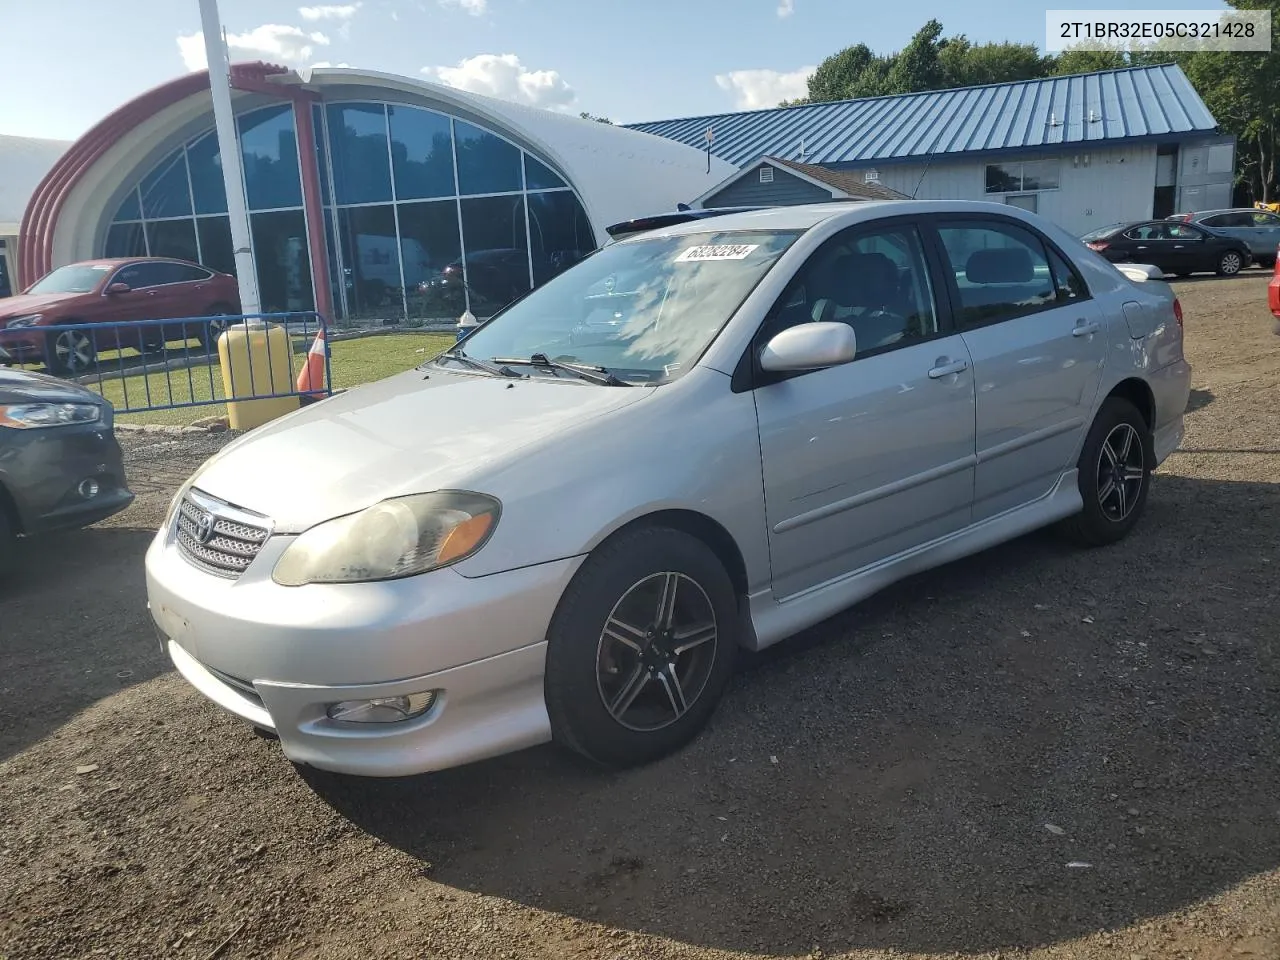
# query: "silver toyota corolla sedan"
(697, 440)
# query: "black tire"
(69, 353)
(1108, 517)
(8, 542)
(209, 332)
(1231, 263)
(585, 665)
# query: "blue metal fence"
(146, 365)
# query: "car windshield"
(75, 278)
(644, 310)
(1102, 232)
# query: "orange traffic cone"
(311, 378)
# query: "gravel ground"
(1039, 752)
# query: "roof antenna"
(933, 149)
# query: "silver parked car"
(565, 530)
(1260, 229)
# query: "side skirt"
(774, 620)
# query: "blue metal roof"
(1083, 108)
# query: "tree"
(587, 116)
(918, 66)
(928, 62)
(967, 65)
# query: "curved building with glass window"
(370, 196)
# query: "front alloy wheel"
(641, 647)
(656, 651)
(70, 352)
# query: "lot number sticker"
(717, 251)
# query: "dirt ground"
(1039, 752)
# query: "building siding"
(1111, 185)
(786, 190)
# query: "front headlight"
(396, 538)
(30, 320)
(27, 416)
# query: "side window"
(181, 273)
(1148, 231)
(1266, 220)
(138, 275)
(1070, 285)
(1221, 220)
(1179, 231)
(876, 281)
(1001, 271)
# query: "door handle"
(1085, 329)
(945, 368)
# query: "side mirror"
(118, 288)
(809, 346)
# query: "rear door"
(1152, 244)
(1038, 345)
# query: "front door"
(868, 459)
(1038, 343)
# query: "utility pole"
(229, 148)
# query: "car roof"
(1214, 213)
(805, 216)
(124, 261)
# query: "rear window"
(1101, 232)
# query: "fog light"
(383, 709)
(88, 488)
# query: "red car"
(110, 291)
(1273, 288)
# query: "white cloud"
(756, 89)
(272, 42)
(505, 77)
(786, 8)
(321, 64)
(343, 12)
(476, 8)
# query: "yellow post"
(257, 361)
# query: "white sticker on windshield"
(717, 251)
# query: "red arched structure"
(35, 249)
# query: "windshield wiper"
(598, 375)
(497, 371)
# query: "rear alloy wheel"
(212, 329)
(641, 648)
(1114, 475)
(69, 352)
(1230, 264)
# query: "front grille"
(229, 547)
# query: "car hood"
(21, 386)
(25, 303)
(398, 436)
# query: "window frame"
(115, 277)
(1021, 165)
(748, 375)
(934, 227)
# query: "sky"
(629, 60)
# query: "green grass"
(352, 363)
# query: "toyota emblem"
(204, 528)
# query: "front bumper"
(42, 470)
(278, 657)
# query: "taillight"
(1098, 245)
(1177, 311)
